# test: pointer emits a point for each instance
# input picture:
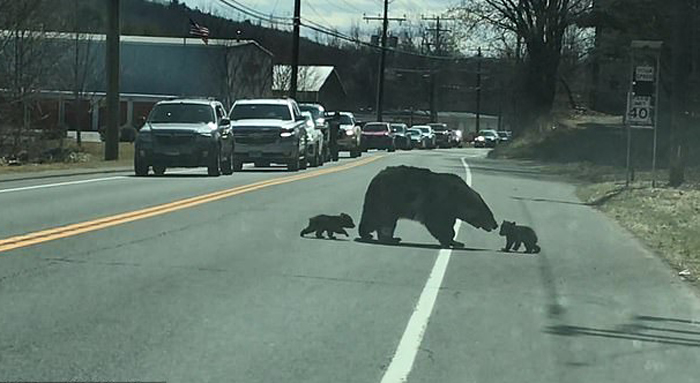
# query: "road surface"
(187, 278)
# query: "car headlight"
(349, 132)
(290, 133)
(480, 138)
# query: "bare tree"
(541, 26)
(246, 71)
(27, 57)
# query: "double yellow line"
(38, 237)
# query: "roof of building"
(311, 78)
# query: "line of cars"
(396, 135)
(201, 133)
(489, 138)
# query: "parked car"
(402, 141)
(486, 139)
(269, 131)
(377, 135)
(318, 112)
(185, 133)
(315, 141)
(427, 131)
(504, 135)
(350, 135)
(418, 140)
(442, 135)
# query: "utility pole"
(478, 90)
(382, 60)
(434, 73)
(295, 49)
(112, 57)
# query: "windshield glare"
(315, 111)
(182, 113)
(260, 112)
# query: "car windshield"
(345, 119)
(488, 133)
(413, 132)
(424, 129)
(315, 111)
(182, 114)
(503, 134)
(372, 127)
(260, 112)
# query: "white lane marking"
(69, 183)
(402, 362)
(467, 171)
(45, 186)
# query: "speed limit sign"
(639, 111)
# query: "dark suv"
(185, 133)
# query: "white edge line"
(45, 186)
(405, 355)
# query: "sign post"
(643, 98)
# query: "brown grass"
(94, 159)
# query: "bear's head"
(506, 228)
(471, 208)
(346, 221)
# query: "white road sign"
(639, 112)
(644, 73)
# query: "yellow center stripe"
(102, 223)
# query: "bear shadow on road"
(418, 245)
(337, 239)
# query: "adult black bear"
(434, 199)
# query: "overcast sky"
(339, 14)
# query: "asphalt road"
(222, 288)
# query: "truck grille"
(257, 137)
(173, 139)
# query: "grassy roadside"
(91, 157)
(665, 219)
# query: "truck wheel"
(237, 166)
(159, 170)
(227, 165)
(293, 165)
(313, 162)
(303, 164)
(140, 167)
(214, 168)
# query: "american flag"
(199, 31)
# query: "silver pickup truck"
(269, 131)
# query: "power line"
(256, 14)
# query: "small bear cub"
(517, 235)
(331, 224)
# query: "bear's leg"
(517, 245)
(386, 231)
(342, 231)
(319, 233)
(367, 226)
(443, 230)
(329, 233)
(509, 244)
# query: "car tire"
(391, 148)
(313, 162)
(293, 166)
(140, 167)
(237, 166)
(354, 153)
(159, 170)
(214, 168)
(227, 166)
